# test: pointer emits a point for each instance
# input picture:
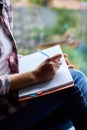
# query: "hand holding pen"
(47, 69)
(57, 62)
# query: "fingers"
(65, 55)
(71, 66)
(56, 65)
(67, 61)
(56, 61)
(56, 57)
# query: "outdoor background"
(43, 23)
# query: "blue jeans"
(75, 99)
(77, 103)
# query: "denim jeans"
(36, 109)
(77, 103)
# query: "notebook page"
(30, 62)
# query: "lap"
(38, 108)
(35, 110)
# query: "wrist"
(35, 77)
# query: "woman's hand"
(48, 68)
(67, 61)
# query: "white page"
(31, 61)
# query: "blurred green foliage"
(25, 51)
(14, 1)
(83, 0)
(66, 19)
(40, 2)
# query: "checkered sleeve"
(4, 85)
(8, 13)
(10, 16)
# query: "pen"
(42, 52)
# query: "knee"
(80, 84)
(77, 76)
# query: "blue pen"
(42, 52)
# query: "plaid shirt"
(8, 101)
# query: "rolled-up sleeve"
(4, 85)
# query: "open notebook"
(61, 80)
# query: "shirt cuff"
(4, 84)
